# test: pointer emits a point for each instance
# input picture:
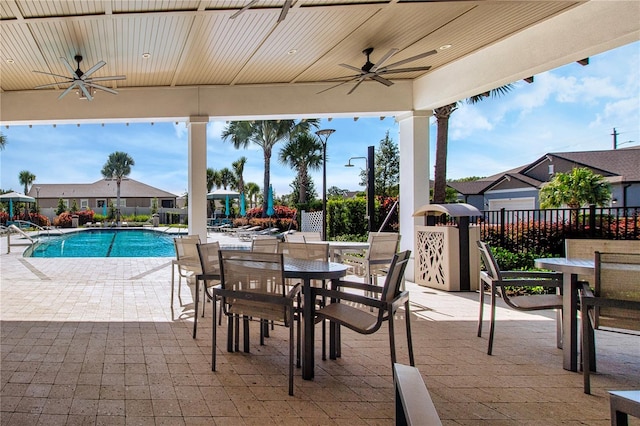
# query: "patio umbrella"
(221, 194)
(17, 197)
(242, 205)
(226, 206)
(270, 210)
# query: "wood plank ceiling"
(196, 43)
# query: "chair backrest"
(187, 252)
(394, 277)
(209, 259)
(295, 237)
(617, 278)
(264, 245)
(262, 275)
(382, 245)
(490, 263)
(301, 250)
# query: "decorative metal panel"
(430, 270)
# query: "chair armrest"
(297, 288)
(532, 274)
(358, 286)
(353, 259)
(367, 301)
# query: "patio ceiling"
(195, 44)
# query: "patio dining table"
(308, 270)
(337, 248)
(570, 269)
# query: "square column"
(197, 178)
(414, 177)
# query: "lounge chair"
(247, 234)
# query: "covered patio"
(93, 341)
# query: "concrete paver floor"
(94, 341)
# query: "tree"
(238, 171)
(211, 173)
(253, 190)
(335, 192)
(578, 188)
(386, 172)
(117, 167)
(26, 178)
(302, 153)
(295, 192)
(265, 134)
(227, 178)
(442, 115)
(3, 141)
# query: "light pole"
(37, 199)
(324, 133)
(366, 161)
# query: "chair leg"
(409, 339)
(291, 339)
(245, 329)
(586, 349)
(172, 282)
(392, 340)
(324, 340)
(493, 319)
(298, 344)
(213, 339)
(195, 310)
(481, 308)
(230, 321)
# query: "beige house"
(134, 195)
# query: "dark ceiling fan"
(376, 71)
(283, 13)
(83, 81)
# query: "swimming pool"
(105, 243)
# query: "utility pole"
(615, 138)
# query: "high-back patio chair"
(377, 258)
(354, 315)
(252, 287)
(265, 244)
(186, 260)
(614, 303)
(209, 277)
(497, 281)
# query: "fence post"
(502, 218)
(592, 220)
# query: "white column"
(414, 177)
(197, 184)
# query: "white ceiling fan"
(283, 13)
(83, 81)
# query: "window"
(167, 204)
(84, 204)
(551, 169)
(101, 203)
(65, 201)
(123, 202)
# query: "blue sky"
(572, 108)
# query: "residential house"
(518, 189)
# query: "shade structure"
(270, 210)
(16, 197)
(242, 205)
(222, 194)
(227, 211)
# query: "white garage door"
(524, 203)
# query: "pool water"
(105, 243)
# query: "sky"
(571, 108)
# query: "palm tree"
(238, 171)
(253, 190)
(3, 141)
(575, 189)
(442, 115)
(211, 173)
(302, 153)
(26, 178)
(226, 177)
(265, 134)
(118, 166)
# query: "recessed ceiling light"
(444, 47)
(292, 52)
(10, 61)
(146, 55)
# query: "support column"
(414, 177)
(197, 179)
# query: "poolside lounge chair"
(247, 234)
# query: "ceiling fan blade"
(69, 67)
(106, 89)
(384, 59)
(382, 80)
(285, 10)
(112, 77)
(247, 6)
(411, 59)
(52, 84)
(83, 87)
(68, 89)
(93, 69)
(334, 86)
(360, 80)
(55, 75)
(347, 78)
(412, 69)
(358, 70)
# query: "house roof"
(106, 188)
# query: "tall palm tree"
(302, 153)
(3, 141)
(442, 115)
(26, 178)
(211, 173)
(226, 177)
(265, 134)
(238, 171)
(117, 167)
(253, 190)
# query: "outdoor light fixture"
(324, 133)
(366, 161)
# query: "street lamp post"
(324, 133)
(37, 199)
(366, 160)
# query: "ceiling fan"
(83, 81)
(283, 13)
(376, 71)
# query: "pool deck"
(95, 341)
